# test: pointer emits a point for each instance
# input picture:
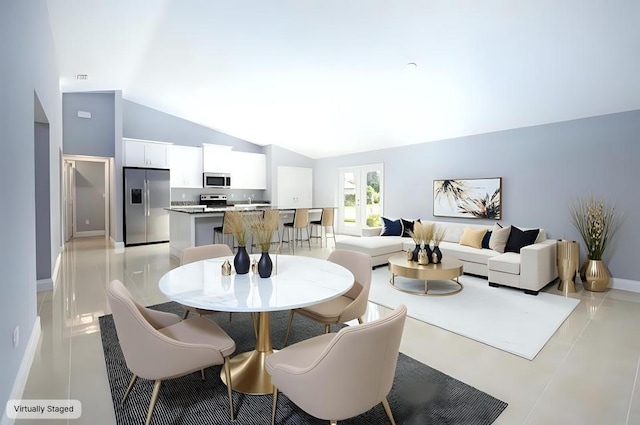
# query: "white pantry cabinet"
(186, 166)
(146, 153)
(294, 187)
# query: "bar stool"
(300, 221)
(326, 221)
(220, 232)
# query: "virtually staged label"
(44, 409)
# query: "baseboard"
(23, 372)
(116, 245)
(88, 233)
(44, 284)
(625, 284)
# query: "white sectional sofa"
(531, 269)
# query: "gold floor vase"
(595, 276)
(568, 253)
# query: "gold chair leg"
(286, 337)
(327, 328)
(202, 374)
(360, 321)
(333, 422)
(154, 398)
(387, 409)
(134, 378)
(273, 407)
(227, 374)
(186, 313)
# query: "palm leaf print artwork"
(470, 198)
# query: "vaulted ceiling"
(329, 77)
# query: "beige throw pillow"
(499, 238)
(472, 237)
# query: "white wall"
(28, 66)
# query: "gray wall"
(543, 169)
(28, 66)
(89, 204)
(142, 122)
(94, 136)
(42, 174)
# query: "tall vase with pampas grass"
(262, 227)
(438, 236)
(421, 235)
(236, 221)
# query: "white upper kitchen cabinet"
(186, 166)
(249, 170)
(217, 159)
(146, 153)
(294, 187)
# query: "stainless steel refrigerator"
(146, 195)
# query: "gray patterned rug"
(420, 395)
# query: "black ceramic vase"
(429, 253)
(242, 261)
(437, 255)
(416, 250)
(265, 265)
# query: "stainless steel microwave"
(220, 180)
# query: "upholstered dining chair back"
(148, 352)
(203, 252)
(359, 264)
(339, 376)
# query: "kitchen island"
(192, 225)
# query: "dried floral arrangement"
(262, 227)
(597, 224)
(438, 235)
(237, 226)
(422, 232)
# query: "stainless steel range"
(213, 201)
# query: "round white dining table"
(296, 282)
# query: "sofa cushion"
(373, 246)
(509, 262)
(485, 239)
(499, 238)
(407, 226)
(466, 253)
(391, 227)
(472, 237)
(520, 238)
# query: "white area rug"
(503, 318)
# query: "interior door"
(69, 185)
(360, 198)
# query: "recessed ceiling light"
(412, 66)
(82, 76)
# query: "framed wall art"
(468, 198)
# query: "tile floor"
(586, 374)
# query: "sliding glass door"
(360, 198)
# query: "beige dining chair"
(352, 305)
(158, 345)
(323, 225)
(300, 221)
(202, 252)
(338, 376)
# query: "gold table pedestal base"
(248, 372)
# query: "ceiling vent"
(82, 76)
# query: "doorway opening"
(86, 196)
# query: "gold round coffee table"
(450, 269)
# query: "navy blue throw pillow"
(392, 227)
(485, 239)
(518, 239)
